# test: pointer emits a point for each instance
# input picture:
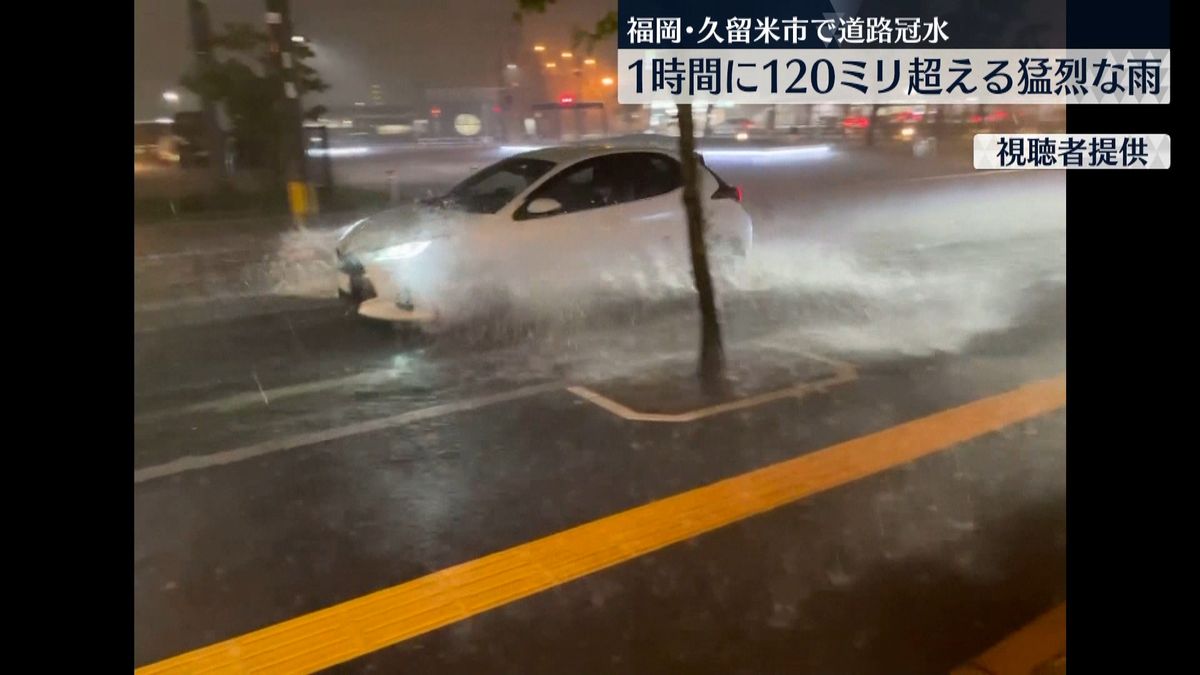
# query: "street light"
(170, 97)
(539, 48)
(298, 38)
(511, 66)
(607, 81)
(567, 55)
(589, 62)
(551, 65)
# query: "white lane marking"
(199, 253)
(225, 457)
(249, 398)
(234, 402)
(258, 312)
(208, 223)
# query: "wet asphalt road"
(288, 456)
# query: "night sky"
(403, 45)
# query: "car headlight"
(410, 249)
(908, 132)
(347, 230)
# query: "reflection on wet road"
(289, 457)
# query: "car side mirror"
(543, 205)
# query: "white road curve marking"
(226, 457)
(844, 373)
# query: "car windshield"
(490, 189)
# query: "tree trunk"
(712, 353)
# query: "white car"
(552, 222)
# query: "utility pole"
(291, 135)
(215, 137)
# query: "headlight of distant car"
(741, 135)
(908, 132)
(410, 249)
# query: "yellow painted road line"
(1039, 647)
(360, 626)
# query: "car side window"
(590, 184)
(651, 174)
(509, 182)
(490, 189)
(609, 180)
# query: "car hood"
(412, 222)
